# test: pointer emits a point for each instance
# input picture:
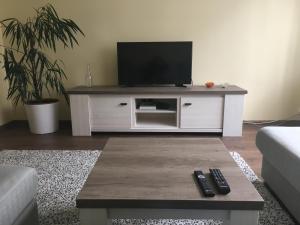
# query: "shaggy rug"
(61, 175)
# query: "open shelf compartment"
(156, 113)
(156, 121)
(156, 104)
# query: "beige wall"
(5, 106)
(254, 44)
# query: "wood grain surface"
(158, 173)
(232, 89)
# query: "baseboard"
(262, 123)
(288, 123)
(24, 123)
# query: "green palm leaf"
(29, 71)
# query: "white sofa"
(18, 186)
(280, 147)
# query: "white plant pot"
(42, 117)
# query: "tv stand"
(180, 85)
(175, 109)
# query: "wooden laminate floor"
(16, 135)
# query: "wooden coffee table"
(153, 178)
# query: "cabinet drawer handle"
(123, 103)
(187, 104)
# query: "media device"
(220, 181)
(154, 63)
(204, 184)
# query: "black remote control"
(220, 181)
(203, 183)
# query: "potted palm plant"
(30, 72)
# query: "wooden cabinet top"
(231, 89)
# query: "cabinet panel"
(202, 112)
(110, 112)
(80, 114)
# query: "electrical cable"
(278, 122)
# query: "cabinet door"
(202, 112)
(110, 112)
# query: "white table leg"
(94, 217)
(243, 217)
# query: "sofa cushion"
(280, 146)
(17, 189)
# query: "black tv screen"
(151, 63)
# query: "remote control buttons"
(219, 181)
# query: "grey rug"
(61, 174)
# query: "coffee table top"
(158, 173)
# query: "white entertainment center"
(177, 109)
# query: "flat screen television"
(154, 63)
